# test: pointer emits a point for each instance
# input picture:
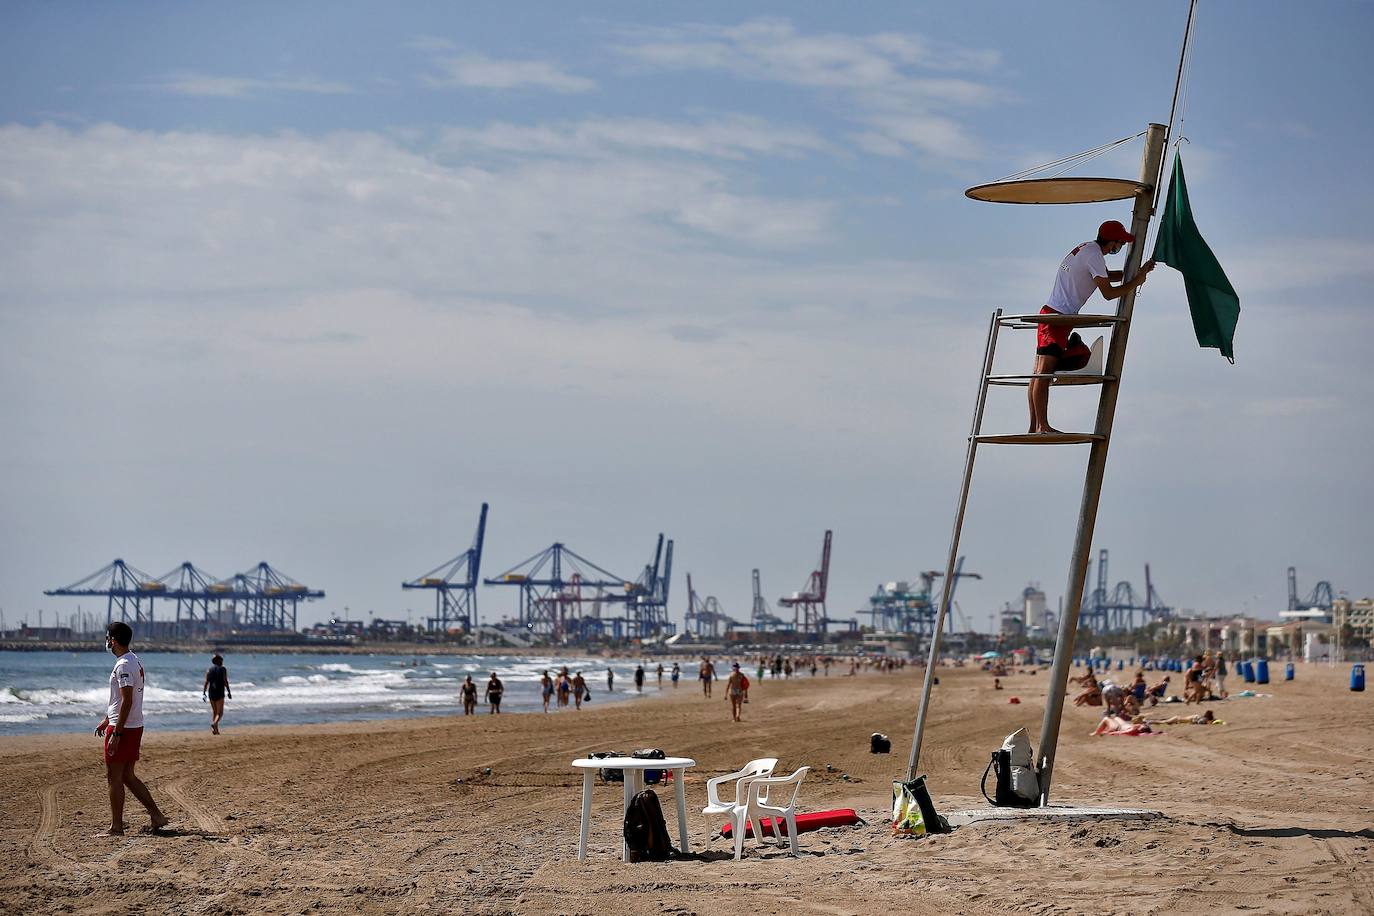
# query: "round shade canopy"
(1056, 190)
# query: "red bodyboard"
(814, 820)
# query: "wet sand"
(1271, 813)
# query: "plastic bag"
(907, 819)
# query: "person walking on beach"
(215, 689)
(579, 688)
(610, 680)
(734, 691)
(707, 673)
(469, 697)
(639, 678)
(677, 673)
(122, 729)
(546, 689)
(1221, 675)
(564, 688)
(494, 691)
(660, 675)
(1082, 273)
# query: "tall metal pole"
(948, 593)
(1097, 464)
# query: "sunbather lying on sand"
(1119, 725)
(1205, 718)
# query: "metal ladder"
(1099, 440)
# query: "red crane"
(809, 604)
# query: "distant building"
(38, 634)
(1358, 615)
(1013, 621)
(1034, 610)
(1233, 635)
(1308, 640)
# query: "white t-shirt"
(1076, 281)
(128, 672)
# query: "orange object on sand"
(1013, 699)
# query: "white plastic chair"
(716, 805)
(762, 791)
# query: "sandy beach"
(1272, 812)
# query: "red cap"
(1112, 231)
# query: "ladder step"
(1062, 321)
(1062, 379)
(1039, 439)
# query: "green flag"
(1211, 298)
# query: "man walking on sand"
(122, 729)
(735, 690)
(1082, 272)
(707, 673)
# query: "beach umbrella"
(992, 655)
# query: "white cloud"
(233, 87)
(130, 213)
(482, 72)
(730, 137)
(886, 75)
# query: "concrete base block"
(1050, 813)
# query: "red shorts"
(129, 740)
(1051, 339)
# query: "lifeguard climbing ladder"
(1056, 191)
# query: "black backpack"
(652, 777)
(646, 834)
(879, 744)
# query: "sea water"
(67, 691)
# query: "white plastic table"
(634, 768)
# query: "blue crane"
(705, 618)
(550, 603)
(189, 587)
(1121, 609)
(455, 585)
(123, 586)
(1323, 595)
(262, 598)
(761, 616)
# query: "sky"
(308, 283)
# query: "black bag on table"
(646, 833)
(652, 777)
(609, 774)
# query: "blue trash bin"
(1288, 672)
(1357, 678)
(1262, 671)
(1247, 671)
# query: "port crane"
(455, 585)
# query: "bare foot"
(160, 821)
(1047, 430)
(115, 831)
